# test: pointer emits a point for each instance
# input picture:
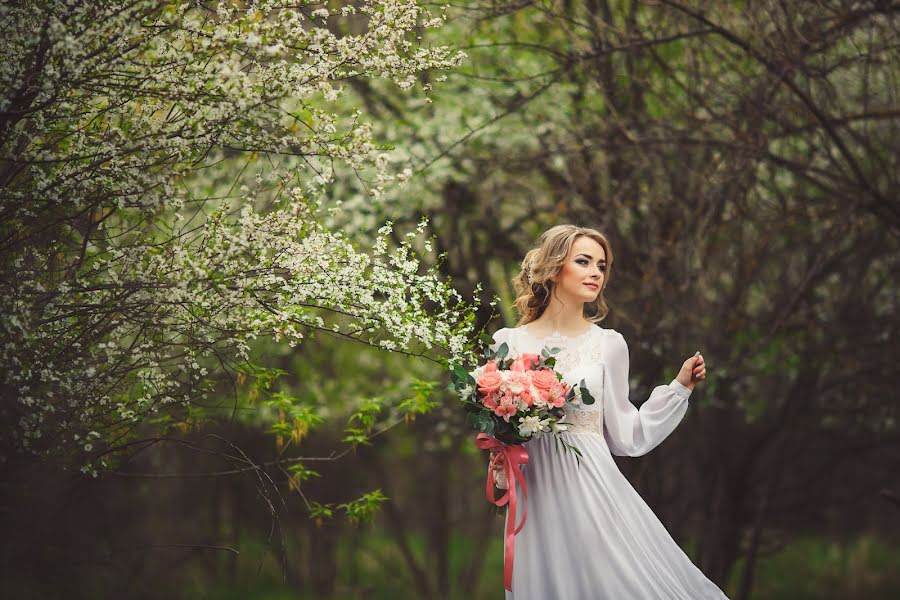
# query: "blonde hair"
(533, 285)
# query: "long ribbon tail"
(513, 457)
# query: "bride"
(589, 535)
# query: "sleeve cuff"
(682, 390)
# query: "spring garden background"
(241, 240)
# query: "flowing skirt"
(589, 535)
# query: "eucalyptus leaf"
(586, 397)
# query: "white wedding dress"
(588, 534)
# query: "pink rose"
(518, 365)
(544, 379)
(531, 360)
(489, 382)
(490, 366)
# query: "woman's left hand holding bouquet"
(499, 473)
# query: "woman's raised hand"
(692, 371)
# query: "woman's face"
(585, 265)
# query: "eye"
(584, 261)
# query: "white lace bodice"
(575, 351)
(599, 356)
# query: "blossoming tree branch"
(136, 268)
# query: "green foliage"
(420, 402)
(295, 418)
(363, 509)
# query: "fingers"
(698, 372)
(496, 462)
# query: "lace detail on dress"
(582, 421)
(577, 351)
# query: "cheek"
(572, 273)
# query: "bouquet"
(509, 401)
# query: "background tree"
(741, 156)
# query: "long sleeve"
(629, 431)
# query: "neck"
(563, 316)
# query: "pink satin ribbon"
(514, 455)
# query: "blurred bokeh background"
(742, 158)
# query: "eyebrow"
(603, 260)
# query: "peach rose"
(490, 366)
(518, 365)
(544, 379)
(489, 382)
(531, 360)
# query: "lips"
(593, 286)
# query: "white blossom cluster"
(131, 272)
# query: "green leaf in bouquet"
(462, 376)
(586, 397)
(482, 422)
(567, 446)
(502, 351)
(578, 455)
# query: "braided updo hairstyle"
(533, 285)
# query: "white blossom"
(157, 270)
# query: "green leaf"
(482, 422)
(302, 472)
(586, 397)
(364, 508)
(356, 436)
(319, 511)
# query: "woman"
(589, 535)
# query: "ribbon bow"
(513, 456)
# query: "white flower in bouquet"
(478, 372)
(530, 425)
(559, 426)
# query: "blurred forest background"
(741, 156)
